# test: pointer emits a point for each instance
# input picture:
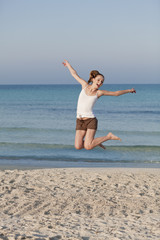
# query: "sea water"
(37, 126)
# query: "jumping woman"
(86, 124)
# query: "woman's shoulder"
(85, 85)
(99, 93)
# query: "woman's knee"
(78, 146)
(87, 146)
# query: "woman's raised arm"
(74, 73)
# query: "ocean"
(37, 127)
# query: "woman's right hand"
(65, 63)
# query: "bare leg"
(79, 139)
(91, 142)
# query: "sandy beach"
(84, 203)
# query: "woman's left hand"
(132, 90)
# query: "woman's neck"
(92, 88)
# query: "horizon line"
(25, 84)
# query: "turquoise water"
(37, 126)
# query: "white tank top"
(85, 105)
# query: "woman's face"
(98, 81)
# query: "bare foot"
(102, 146)
(111, 136)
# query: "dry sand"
(74, 203)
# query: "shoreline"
(13, 167)
(67, 164)
(80, 203)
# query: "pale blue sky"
(120, 38)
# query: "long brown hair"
(93, 74)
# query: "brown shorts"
(90, 123)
